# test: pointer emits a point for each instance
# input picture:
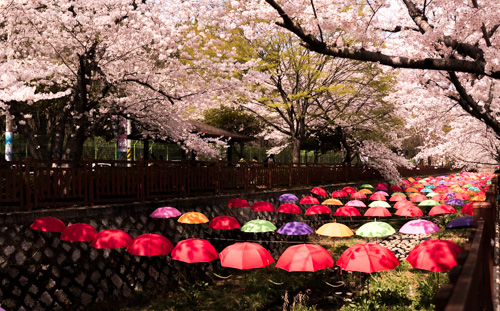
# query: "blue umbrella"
(454, 201)
(461, 222)
(295, 228)
(288, 197)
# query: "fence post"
(218, 176)
(27, 182)
(484, 211)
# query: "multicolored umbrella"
(367, 258)
(165, 212)
(150, 245)
(193, 218)
(419, 226)
(461, 222)
(434, 255)
(317, 209)
(262, 207)
(375, 229)
(78, 233)
(334, 229)
(194, 250)
(305, 257)
(224, 223)
(295, 228)
(49, 224)
(289, 208)
(258, 225)
(111, 238)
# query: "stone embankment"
(401, 244)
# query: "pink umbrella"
(355, 203)
(419, 226)
(150, 245)
(418, 198)
(289, 208)
(305, 257)
(263, 207)
(244, 256)
(403, 203)
(165, 212)
(111, 238)
(382, 193)
(377, 211)
(318, 209)
(397, 197)
(358, 195)
(409, 211)
(49, 224)
(78, 233)
(377, 197)
(309, 200)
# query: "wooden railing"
(33, 183)
(472, 286)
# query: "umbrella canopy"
(150, 245)
(289, 208)
(454, 201)
(428, 203)
(263, 207)
(461, 222)
(468, 209)
(403, 203)
(194, 250)
(379, 203)
(365, 191)
(395, 188)
(49, 224)
(258, 225)
(193, 218)
(375, 229)
(319, 191)
(224, 223)
(382, 187)
(355, 203)
(378, 197)
(237, 202)
(397, 197)
(318, 209)
(305, 257)
(309, 200)
(288, 197)
(334, 229)
(165, 212)
(295, 228)
(409, 211)
(347, 211)
(461, 196)
(349, 189)
(358, 195)
(418, 198)
(367, 186)
(442, 209)
(367, 258)
(410, 190)
(434, 255)
(332, 202)
(111, 238)
(339, 194)
(377, 211)
(78, 233)
(419, 226)
(245, 255)
(439, 197)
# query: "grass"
(403, 288)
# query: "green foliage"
(234, 120)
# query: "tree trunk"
(295, 150)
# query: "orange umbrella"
(332, 202)
(334, 229)
(365, 191)
(193, 218)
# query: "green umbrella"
(375, 229)
(367, 186)
(401, 193)
(428, 203)
(258, 225)
(379, 203)
(431, 194)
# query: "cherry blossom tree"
(80, 62)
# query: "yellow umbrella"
(332, 202)
(193, 218)
(334, 229)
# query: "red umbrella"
(377, 197)
(244, 256)
(347, 211)
(403, 203)
(289, 208)
(150, 245)
(397, 197)
(434, 255)
(467, 209)
(339, 194)
(409, 211)
(442, 209)
(237, 202)
(319, 191)
(49, 224)
(358, 195)
(305, 257)
(418, 198)
(309, 200)
(349, 189)
(78, 233)
(367, 258)
(263, 207)
(461, 196)
(439, 197)
(377, 211)
(224, 222)
(395, 188)
(111, 238)
(194, 250)
(318, 209)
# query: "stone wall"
(41, 272)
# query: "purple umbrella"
(461, 222)
(165, 212)
(288, 197)
(419, 226)
(454, 201)
(449, 194)
(295, 228)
